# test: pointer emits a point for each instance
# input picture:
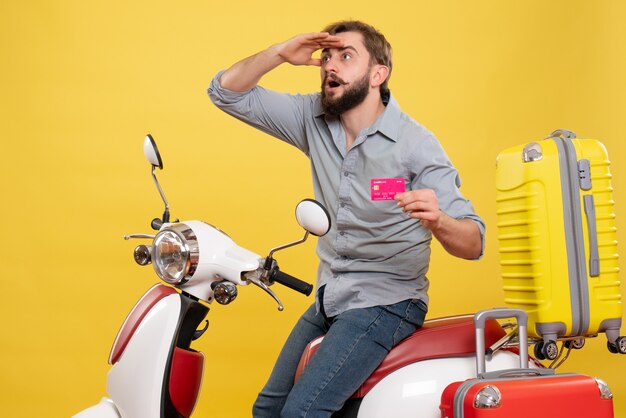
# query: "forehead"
(354, 40)
(351, 38)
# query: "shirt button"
(345, 173)
(342, 233)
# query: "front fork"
(183, 374)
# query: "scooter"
(156, 373)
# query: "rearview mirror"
(151, 152)
(313, 217)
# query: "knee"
(267, 407)
(257, 412)
(292, 410)
(303, 407)
(299, 406)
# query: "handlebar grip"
(291, 282)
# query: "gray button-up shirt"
(374, 253)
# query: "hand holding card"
(420, 204)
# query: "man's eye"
(346, 56)
(325, 58)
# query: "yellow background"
(82, 83)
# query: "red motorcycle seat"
(438, 338)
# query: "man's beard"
(352, 96)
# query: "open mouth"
(333, 81)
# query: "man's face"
(345, 74)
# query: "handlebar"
(291, 282)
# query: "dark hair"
(375, 43)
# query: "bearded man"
(388, 186)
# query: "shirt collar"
(387, 123)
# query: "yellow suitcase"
(557, 240)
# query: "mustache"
(335, 77)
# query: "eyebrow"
(325, 50)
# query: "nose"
(329, 65)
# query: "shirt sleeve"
(280, 115)
(436, 172)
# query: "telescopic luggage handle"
(500, 313)
(562, 133)
(533, 151)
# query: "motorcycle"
(155, 372)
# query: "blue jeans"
(356, 342)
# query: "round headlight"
(175, 254)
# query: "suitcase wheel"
(618, 346)
(546, 350)
(575, 344)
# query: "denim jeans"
(356, 342)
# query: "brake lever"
(259, 283)
(138, 236)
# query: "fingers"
(419, 204)
(299, 49)
(321, 40)
(417, 199)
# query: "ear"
(379, 75)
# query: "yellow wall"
(83, 82)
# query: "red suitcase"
(523, 392)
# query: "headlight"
(175, 253)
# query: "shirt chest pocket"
(373, 199)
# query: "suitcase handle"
(592, 229)
(562, 133)
(500, 313)
(516, 373)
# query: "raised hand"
(299, 49)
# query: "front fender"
(105, 409)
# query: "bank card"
(386, 189)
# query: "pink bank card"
(386, 189)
